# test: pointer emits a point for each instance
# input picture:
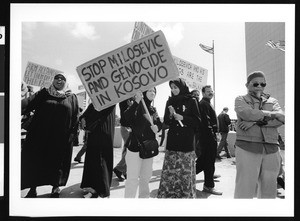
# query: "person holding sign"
(178, 177)
(145, 124)
(47, 151)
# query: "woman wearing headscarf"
(47, 150)
(139, 171)
(178, 176)
(98, 163)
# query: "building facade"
(262, 57)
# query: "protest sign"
(194, 76)
(117, 75)
(39, 75)
(140, 30)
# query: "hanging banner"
(39, 75)
(117, 75)
(195, 76)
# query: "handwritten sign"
(194, 76)
(117, 75)
(39, 75)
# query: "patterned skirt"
(178, 176)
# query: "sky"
(65, 36)
(66, 45)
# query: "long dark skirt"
(178, 176)
(97, 171)
(47, 164)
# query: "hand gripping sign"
(117, 75)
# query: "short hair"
(225, 108)
(204, 87)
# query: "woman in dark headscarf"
(139, 171)
(98, 163)
(178, 177)
(47, 151)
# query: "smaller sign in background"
(39, 75)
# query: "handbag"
(148, 149)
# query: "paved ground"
(225, 167)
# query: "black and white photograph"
(151, 110)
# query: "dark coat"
(47, 151)
(209, 120)
(224, 122)
(98, 163)
(182, 138)
(141, 130)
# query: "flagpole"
(214, 85)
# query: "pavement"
(224, 167)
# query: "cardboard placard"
(117, 75)
(39, 75)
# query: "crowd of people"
(191, 143)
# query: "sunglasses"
(61, 78)
(261, 84)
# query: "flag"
(207, 48)
(280, 45)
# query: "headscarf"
(59, 93)
(151, 109)
(184, 92)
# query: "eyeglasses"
(261, 84)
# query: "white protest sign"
(194, 76)
(39, 75)
(117, 75)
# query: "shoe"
(118, 174)
(228, 156)
(55, 192)
(218, 157)
(211, 190)
(216, 176)
(77, 160)
(90, 195)
(31, 194)
(125, 175)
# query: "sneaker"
(211, 190)
(118, 174)
(216, 176)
